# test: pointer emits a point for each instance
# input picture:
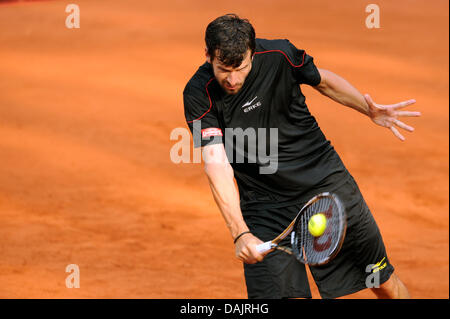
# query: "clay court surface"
(85, 122)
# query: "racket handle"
(262, 248)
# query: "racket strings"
(317, 250)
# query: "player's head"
(230, 45)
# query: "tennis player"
(248, 85)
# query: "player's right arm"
(202, 119)
(221, 180)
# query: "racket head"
(319, 250)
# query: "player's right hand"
(246, 249)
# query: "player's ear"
(208, 57)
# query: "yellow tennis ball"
(317, 224)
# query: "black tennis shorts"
(361, 263)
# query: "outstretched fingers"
(401, 104)
(403, 126)
(408, 113)
(397, 133)
(387, 115)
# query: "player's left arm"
(341, 91)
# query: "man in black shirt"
(246, 110)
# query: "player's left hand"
(387, 115)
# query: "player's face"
(231, 79)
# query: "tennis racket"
(306, 248)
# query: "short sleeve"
(202, 120)
(305, 71)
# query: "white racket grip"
(262, 248)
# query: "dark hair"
(231, 37)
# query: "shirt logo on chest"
(247, 107)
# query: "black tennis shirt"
(270, 97)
